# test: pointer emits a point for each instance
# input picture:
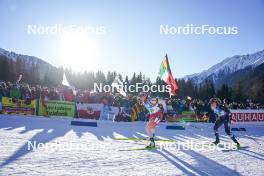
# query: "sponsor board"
(56, 108)
(16, 106)
(239, 115)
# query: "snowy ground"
(102, 155)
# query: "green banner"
(56, 108)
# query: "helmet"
(215, 100)
(226, 101)
(143, 94)
(188, 98)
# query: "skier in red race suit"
(155, 116)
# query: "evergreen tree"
(238, 92)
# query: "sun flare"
(77, 51)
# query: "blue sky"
(132, 41)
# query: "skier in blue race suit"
(222, 114)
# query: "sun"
(77, 51)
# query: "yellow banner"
(15, 106)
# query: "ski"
(211, 144)
(242, 147)
(236, 148)
(222, 146)
(144, 139)
(141, 148)
(218, 145)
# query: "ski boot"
(152, 143)
(235, 141)
(217, 141)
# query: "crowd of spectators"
(27, 92)
(201, 106)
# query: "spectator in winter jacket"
(68, 95)
(15, 92)
(53, 94)
(3, 91)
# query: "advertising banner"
(109, 113)
(56, 108)
(239, 115)
(16, 106)
(90, 111)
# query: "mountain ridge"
(228, 66)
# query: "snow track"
(101, 155)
